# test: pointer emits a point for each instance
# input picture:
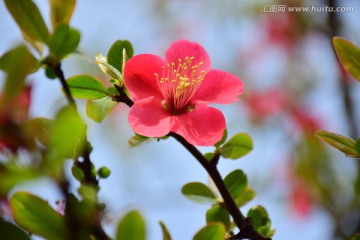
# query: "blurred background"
(293, 87)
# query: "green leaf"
(17, 63)
(218, 214)
(29, 19)
(61, 11)
(106, 68)
(66, 139)
(104, 172)
(340, 142)
(88, 193)
(81, 213)
(236, 182)
(349, 56)
(64, 41)
(357, 146)
(223, 139)
(165, 231)
(40, 128)
(356, 237)
(78, 173)
(49, 72)
(131, 227)
(11, 232)
(245, 197)
(209, 155)
(261, 220)
(67, 131)
(12, 173)
(98, 109)
(112, 90)
(198, 192)
(237, 147)
(211, 232)
(86, 87)
(11, 60)
(37, 217)
(137, 140)
(115, 53)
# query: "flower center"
(178, 84)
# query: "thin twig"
(59, 73)
(85, 165)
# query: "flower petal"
(139, 76)
(204, 126)
(183, 48)
(219, 87)
(148, 118)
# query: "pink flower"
(262, 104)
(173, 94)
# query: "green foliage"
(237, 147)
(357, 146)
(11, 232)
(98, 109)
(104, 172)
(80, 215)
(115, 55)
(66, 139)
(261, 221)
(340, 142)
(40, 128)
(86, 87)
(37, 217)
(198, 192)
(88, 193)
(211, 232)
(223, 139)
(12, 173)
(61, 11)
(245, 197)
(29, 19)
(236, 182)
(49, 72)
(16, 63)
(356, 237)
(349, 56)
(218, 214)
(131, 227)
(109, 70)
(14, 57)
(78, 173)
(137, 140)
(209, 155)
(165, 231)
(64, 41)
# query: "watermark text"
(276, 8)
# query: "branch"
(245, 225)
(122, 97)
(85, 165)
(59, 73)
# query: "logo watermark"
(276, 8)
